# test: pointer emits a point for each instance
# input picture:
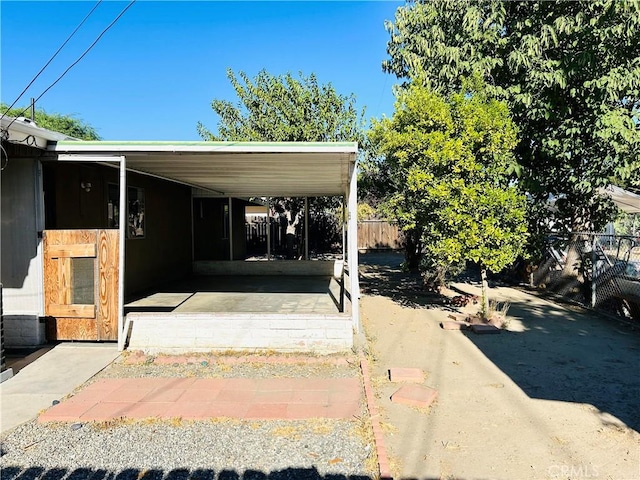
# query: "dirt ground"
(556, 395)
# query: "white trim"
(352, 239)
(143, 148)
(121, 254)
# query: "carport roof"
(241, 169)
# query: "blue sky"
(153, 75)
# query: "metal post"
(344, 231)
(230, 228)
(122, 213)
(594, 259)
(352, 209)
(306, 228)
(268, 228)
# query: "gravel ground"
(324, 447)
(222, 368)
(180, 450)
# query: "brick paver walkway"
(202, 398)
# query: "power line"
(79, 58)
(54, 56)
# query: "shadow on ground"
(566, 354)
(571, 356)
(40, 473)
(382, 274)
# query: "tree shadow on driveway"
(570, 355)
(382, 274)
(551, 352)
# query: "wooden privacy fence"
(378, 235)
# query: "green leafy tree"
(57, 122)
(449, 160)
(570, 74)
(288, 109)
(285, 109)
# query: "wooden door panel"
(108, 274)
(67, 299)
(59, 328)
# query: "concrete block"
(483, 329)
(344, 334)
(413, 375)
(308, 334)
(415, 395)
(451, 325)
(288, 324)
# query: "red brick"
(299, 411)
(148, 409)
(414, 375)
(454, 325)
(65, 412)
(343, 410)
(227, 410)
(209, 384)
(267, 411)
(316, 397)
(233, 396)
(163, 395)
(188, 410)
(415, 395)
(126, 394)
(483, 329)
(106, 411)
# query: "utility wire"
(79, 58)
(54, 56)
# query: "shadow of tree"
(41, 473)
(382, 274)
(571, 356)
(561, 353)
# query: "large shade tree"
(570, 73)
(284, 108)
(449, 159)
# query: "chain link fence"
(597, 270)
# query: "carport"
(226, 170)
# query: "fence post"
(594, 259)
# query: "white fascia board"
(201, 147)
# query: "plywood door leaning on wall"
(81, 284)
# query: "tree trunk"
(411, 252)
(484, 308)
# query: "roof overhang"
(626, 201)
(238, 169)
(23, 131)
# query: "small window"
(113, 207)
(135, 210)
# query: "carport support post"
(352, 239)
(268, 228)
(230, 228)
(306, 228)
(122, 226)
